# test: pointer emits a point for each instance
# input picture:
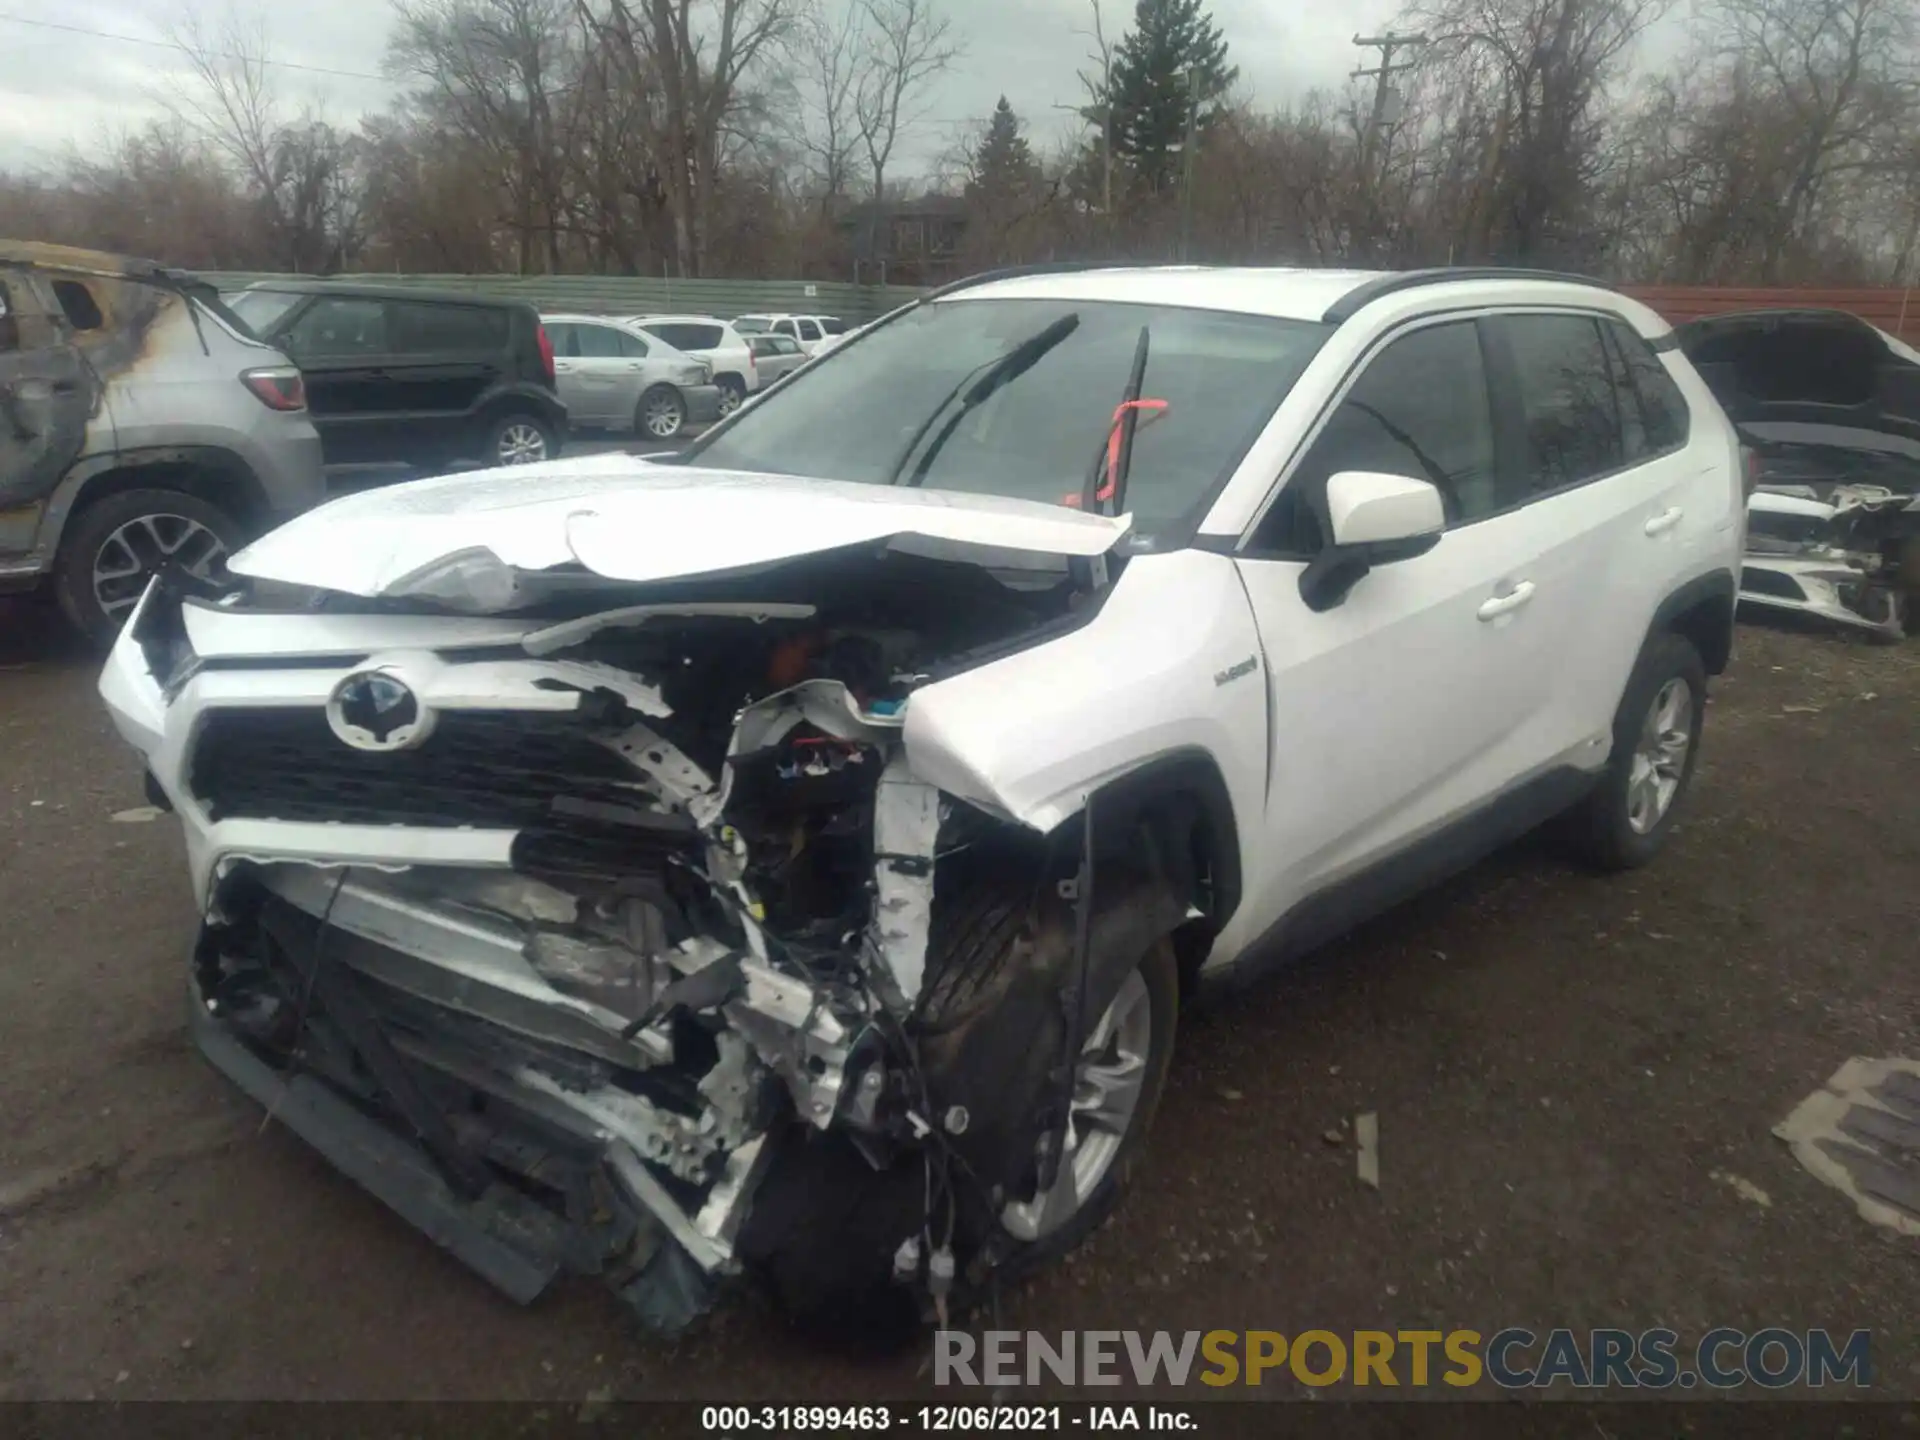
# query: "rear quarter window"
(78, 305)
(1652, 408)
(415, 328)
(682, 335)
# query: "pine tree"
(1173, 44)
(1003, 161)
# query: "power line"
(176, 45)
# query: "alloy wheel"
(1660, 758)
(132, 555)
(1107, 1084)
(521, 443)
(663, 416)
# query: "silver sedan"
(613, 376)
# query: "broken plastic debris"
(1744, 1188)
(1366, 1134)
(138, 815)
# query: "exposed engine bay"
(622, 912)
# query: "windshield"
(260, 308)
(748, 325)
(1034, 433)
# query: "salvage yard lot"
(1567, 1070)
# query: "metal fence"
(643, 295)
(1890, 309)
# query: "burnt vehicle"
(1829, 408)
(789, 860)
(141, 426)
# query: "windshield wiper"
(1126, 415)
(974, 388)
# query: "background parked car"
(714, 341)
(415, 376)
(614, 376)
(140, 426)
(1828, 407)
(776, 355)
(812, 331)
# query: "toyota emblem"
(377, 710)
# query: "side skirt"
(1327, 914)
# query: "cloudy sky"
(61, 89)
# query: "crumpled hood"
(626, 518)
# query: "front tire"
(115, 546)
(1625, 820)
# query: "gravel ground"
(1561, 1066)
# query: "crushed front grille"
(487, 770)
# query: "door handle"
(1664, 521)
(1506, 604)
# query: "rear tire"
(113, 547)
(733, 394)
(519, 438)
(661, 413)
(1624, 820)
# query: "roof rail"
(1362, 295)
(1016, 272)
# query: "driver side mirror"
(1374, 519)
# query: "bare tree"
(1539, 72)
(1844, 71)
(490, 71)
(1098, 110)
(696, 56)
(908, 44)
(299, 172)
(826, 52)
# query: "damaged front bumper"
(520, 984)
(1838, 553)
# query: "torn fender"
(1163, 668)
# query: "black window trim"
(1501, 395)
(1613, 343)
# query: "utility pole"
(1382, 76)
(1189, 143)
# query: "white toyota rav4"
(788, 858)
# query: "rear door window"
(809, 330)
(9, 321)
(784, 327)
(1569, 412)
(431, 329)
(597, 342)
(685, 335)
